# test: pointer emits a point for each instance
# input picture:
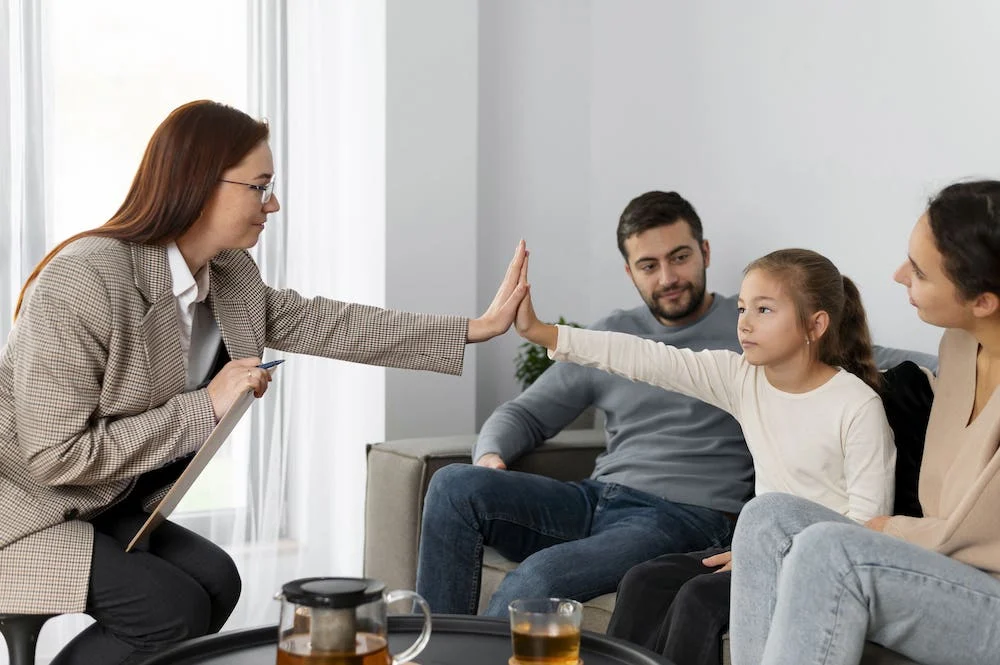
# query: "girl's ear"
(818, 325)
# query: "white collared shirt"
(200, 334)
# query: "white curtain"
(22, 167)
(23, 200)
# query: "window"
(115, 69)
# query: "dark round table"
(455, 640)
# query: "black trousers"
(175, 586)
(675, 606)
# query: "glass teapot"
(341, 621)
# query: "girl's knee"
(635, 582)
(701, 593)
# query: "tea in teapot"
(341, 621)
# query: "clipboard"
(215, 439)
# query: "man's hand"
(877, 523)
(725, 559)
(491, 461)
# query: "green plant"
(532, 360)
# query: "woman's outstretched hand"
(500, 314)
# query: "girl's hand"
(500, 314)
(527, 323)
(724, 559)
(877, 523)
(235, 379)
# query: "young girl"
(926, 587)
(804, 391)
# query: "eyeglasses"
(265, 190)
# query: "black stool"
(20, 631)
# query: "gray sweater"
(659, 442)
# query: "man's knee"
(460, 489)
(531, 580)
(453, 484)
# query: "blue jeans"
(573, 540)
(810, 586)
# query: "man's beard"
(683, 308)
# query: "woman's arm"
(60, 350)
(364, 334)
(970, 534)
(376, 336)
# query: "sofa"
(400, 471)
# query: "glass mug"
(545, 631)
(341, 621)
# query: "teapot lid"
(332, 592)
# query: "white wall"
(534, 164)
(430, 259)
(786, 123)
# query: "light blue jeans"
(810, 586)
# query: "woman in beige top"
(810, 586)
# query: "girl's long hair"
(815, 284)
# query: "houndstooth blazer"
(92, 391)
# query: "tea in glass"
(559, 645)
(545, 631)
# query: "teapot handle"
(425, 633)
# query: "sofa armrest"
(400, 471)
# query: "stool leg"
(21, 634)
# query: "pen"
(273, 363)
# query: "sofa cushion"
(907, 398)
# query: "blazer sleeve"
(63, 339)
(364, 334)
